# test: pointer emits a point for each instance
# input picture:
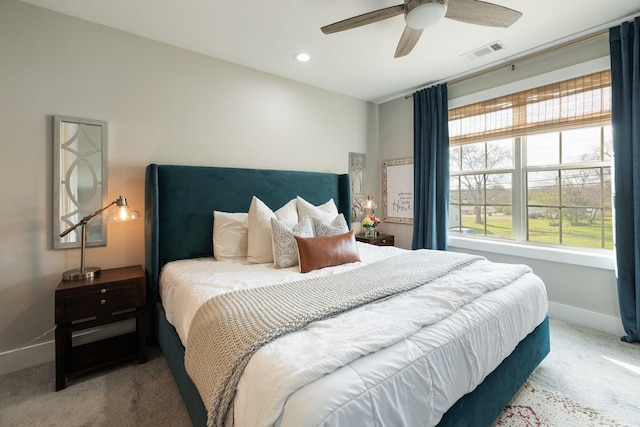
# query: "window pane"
(473, 219)
(576, 217)
(454, 218)
(581, 145)
(472, 189)
(454, 190)
(499, 189)
(499, 223)
(473, 156)
(535, 212)
(500, 154)
(608, 228)
(454, 159)
(606, 187)
(543, 188)
(608, 144)
(543, 149)
(582, 227)
(581, 187)
(544, 228)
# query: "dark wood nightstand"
(114, 295)
(379, 240)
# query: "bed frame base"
(173, 351)
(483, 406)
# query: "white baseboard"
(25, 357)
(585, 318)
(36, 354)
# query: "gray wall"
(577, 293)
(162, 105)
(168, 105)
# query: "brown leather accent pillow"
(320, 252)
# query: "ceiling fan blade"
(481, 13)
(410, 37)
(364, 19)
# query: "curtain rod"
(518, 61)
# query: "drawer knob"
(103, 301)
(103, 291)
(384, 241)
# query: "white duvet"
(377, 362)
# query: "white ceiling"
(265, 35)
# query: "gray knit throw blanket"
(228, 329)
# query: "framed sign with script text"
(397, 191)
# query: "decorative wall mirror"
(357, 162)
(79, 179)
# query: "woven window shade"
(580, 102)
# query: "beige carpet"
(125, 395)
(594, 368)
(146, 395)
(536, 406)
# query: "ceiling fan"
(420, 14)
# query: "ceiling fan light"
(425, 15)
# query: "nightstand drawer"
(385, 240)
(99, 300)
(379, 240)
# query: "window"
(535, 166)
(481, 188)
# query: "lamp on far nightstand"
(369, 204)
(121, 213)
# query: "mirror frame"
(59, 179)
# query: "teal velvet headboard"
(180, 200)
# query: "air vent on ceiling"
(483, 51)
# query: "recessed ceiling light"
(302, 56)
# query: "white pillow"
(285, 248)
(230, 235)
(326, 212)
(288, 214)
(337, 226)
(259, 248)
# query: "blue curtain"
(624, 43)
(431, 168)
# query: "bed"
(394, 383)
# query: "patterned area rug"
(535, 406)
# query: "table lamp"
(369, 204)
(122, 213)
